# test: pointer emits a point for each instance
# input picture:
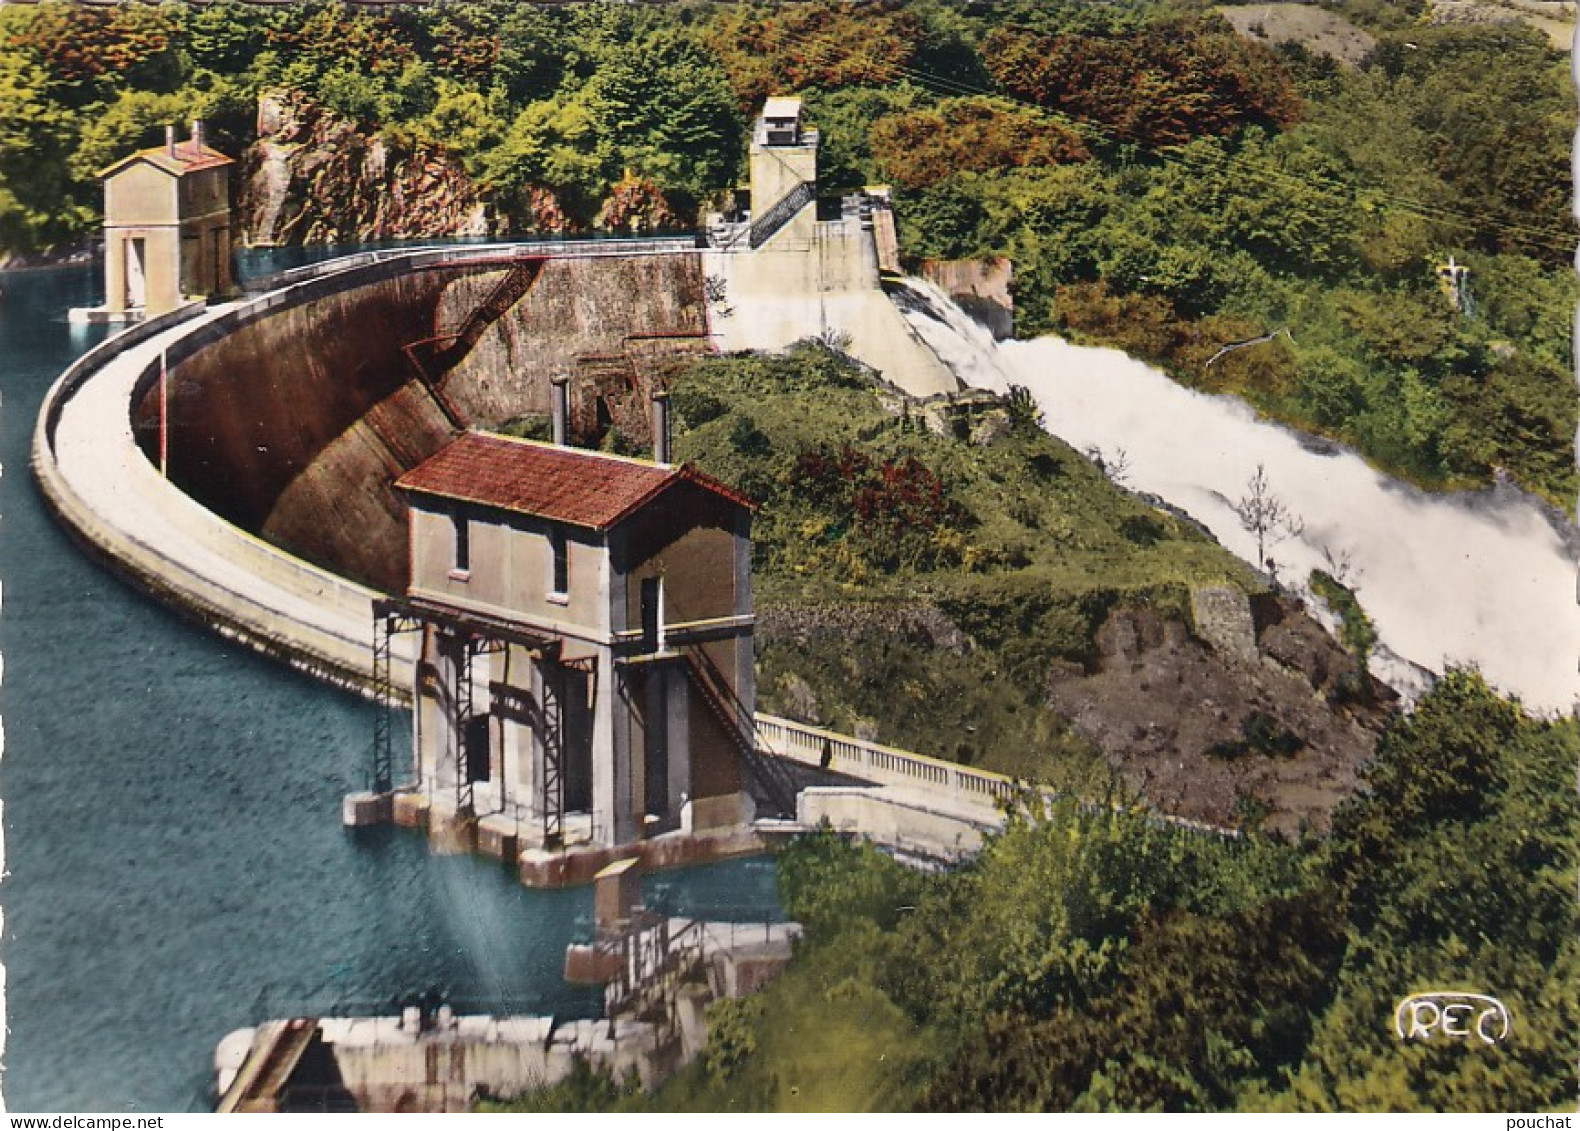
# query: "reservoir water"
(1484, 578)
(174, 862)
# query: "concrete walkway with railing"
(921, 807)
(117, 503)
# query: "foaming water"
(1484, 578)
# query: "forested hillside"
(1160, 182)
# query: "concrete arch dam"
(282, 420)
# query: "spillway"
(1484, 578)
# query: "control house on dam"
(585, 665)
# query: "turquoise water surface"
(175, 866)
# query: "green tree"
(39, 203)
(135, 120)
(1207, 1008)
(667, 108)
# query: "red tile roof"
(571, 485)
(189, 158)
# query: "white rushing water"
(1485, 578)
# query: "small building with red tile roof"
(167, 228)
(586, 668)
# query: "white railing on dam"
(960, 788)
(416, 258)
(884, 765)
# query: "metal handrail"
(780, 213)
(772, 777)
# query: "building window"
(463, 543)
(652, 600)
(560, 579)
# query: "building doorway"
(652, 613)
(578, 723)
(136, 271)
(477, 748)
(655, 751)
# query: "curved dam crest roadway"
(105, 489)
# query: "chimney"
(197, 135)
(661, 444)
(560, 408)
(170, 142)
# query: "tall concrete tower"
(784, 177)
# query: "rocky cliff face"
(1216, 730)
(313, 176)
(983, 288)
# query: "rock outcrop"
(984, 288)
(1217, 735)
(316, 177)
(636, 206)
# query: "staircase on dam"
(780, 213)
(770, 775)
(434, 357)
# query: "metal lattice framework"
(464, 710)
(546, 717)
(553, 799)
(389, 618)
(473, 635)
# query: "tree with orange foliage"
(923, 147)
(78, 46)
(822, 44)
(1163, 85)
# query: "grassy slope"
(841, 1046)
(1048, 545)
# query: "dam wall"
(291, 416)
(95, 449)
(255, 399)
(118, 507)
(582, 316)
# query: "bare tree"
(715, 292)
(1117, 467)
(1341, 566)
(1267, 516)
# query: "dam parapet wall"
(118, 506)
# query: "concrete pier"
(366, 808)
(432, 1060)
